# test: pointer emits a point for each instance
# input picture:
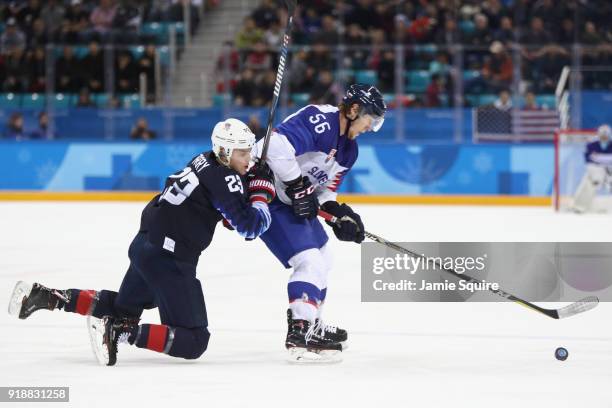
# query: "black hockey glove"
(350, 227)
(261, 183)
(304, 201)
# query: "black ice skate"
(106, 334)
(308, 342)
(333, 333)
(28, 298)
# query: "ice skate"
(106, 334)
(309, 343)
(28, 298)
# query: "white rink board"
(401, 354)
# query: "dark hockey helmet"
(371, 101)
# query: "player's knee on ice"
(189, 344)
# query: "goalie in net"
(593, 191)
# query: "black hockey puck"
(561, 354)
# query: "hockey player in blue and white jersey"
(598, 157)
(310, 152)
(176, 226)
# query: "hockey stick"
(575, 308)
(291, 5)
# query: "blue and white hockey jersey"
(597, 154)
(308, 143)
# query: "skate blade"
(95, 328)
(298, 355)
(22, 290)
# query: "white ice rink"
(401, 355)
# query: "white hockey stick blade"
(95, 328)
(580, 306)
(299, 355)
(22, 290)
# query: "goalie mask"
(228, 135)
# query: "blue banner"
(380, 169)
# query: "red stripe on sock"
(84, 301)
(157, 337)
(311, 302)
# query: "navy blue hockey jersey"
(182, 219)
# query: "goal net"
(570, 168)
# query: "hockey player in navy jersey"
(310, 152)
(598, 157)
(176, 226)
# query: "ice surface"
(401, 354)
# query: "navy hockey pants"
(155, 279)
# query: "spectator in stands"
(361, 14)
(248, 35)
(244, 92)
(92, 66)
(67, 72)
(536, 35)
(52, 15)
(126, 74)
(356, 40)
(301, 75)
(12, 38)
(423, 27)
(497, 70)
(590, 36)
(264, 89)
(15, 76)
(506, 33)
(126, 23)
(102, 17)
(258, 59)
(76, 20)
(29, 13)
(43, 131)
(14, 127)
(36, 70)
(386, 71)
(494, 10)
(567, 34)
(84, 100)
(479, 39)
(255, 126)
(141, 131)
(530, 102)
(504, 102)
(547, 63)
(265, 15)
(324, 92)
(320, 57)
(146, 65)
(328, 33)
(433, 91)
(274, 35)
(450, 34)
(38, 34)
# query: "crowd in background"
(488, 32)
(28, 26)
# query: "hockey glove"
(304, 201)
(261, 184)
(350, 227)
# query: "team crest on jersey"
(331, 155)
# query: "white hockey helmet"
(228, 135)
(604, 131)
